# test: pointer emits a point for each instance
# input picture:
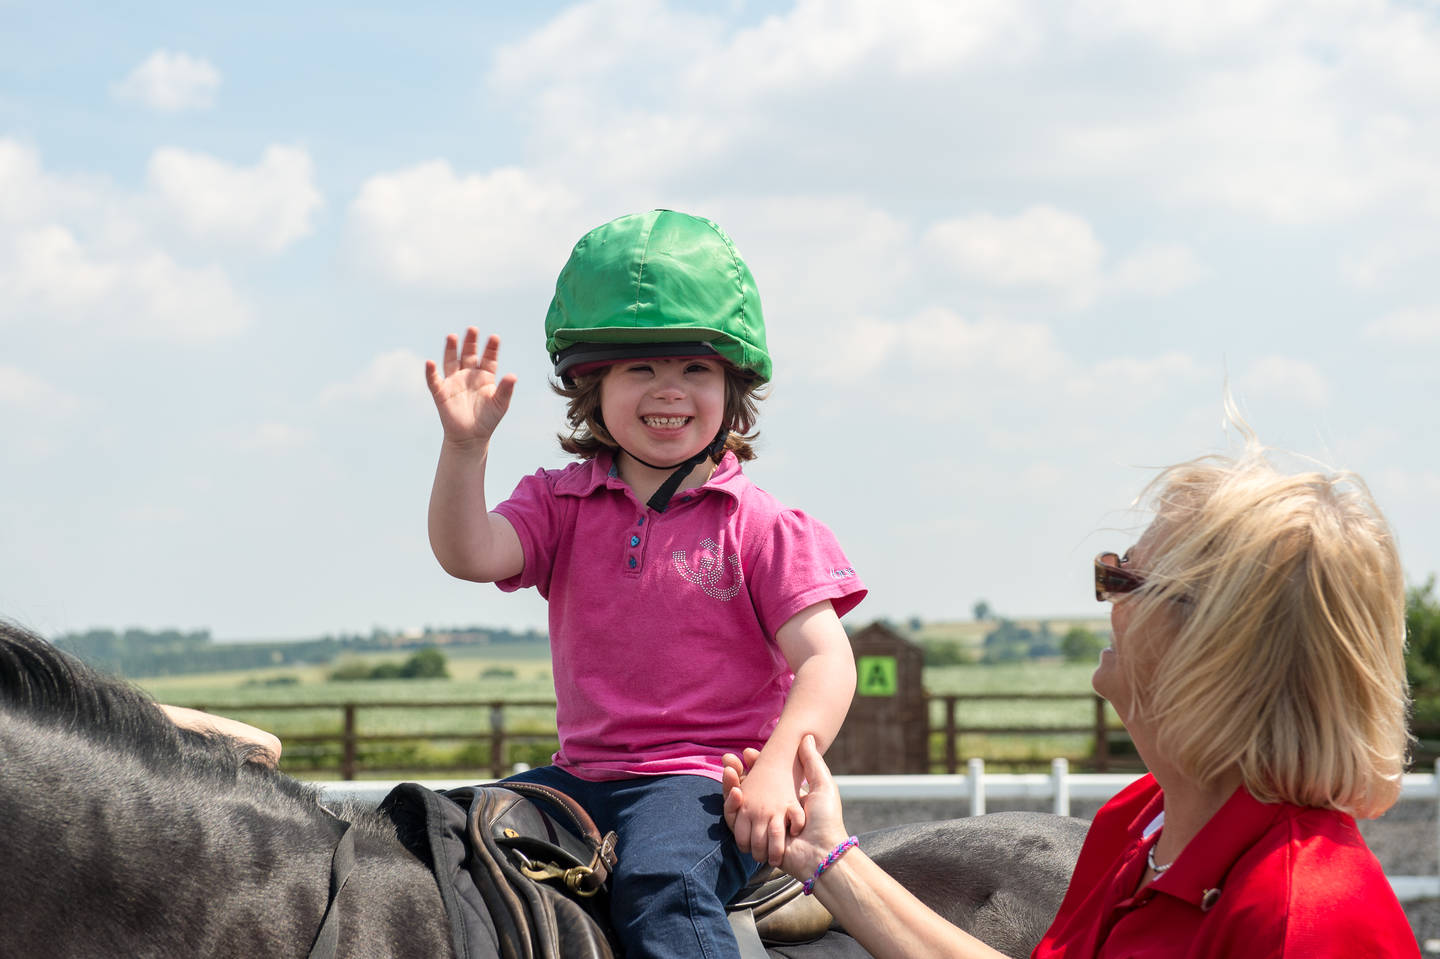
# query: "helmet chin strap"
(660, 499)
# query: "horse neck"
(112, 851)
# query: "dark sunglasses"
(1111, 576)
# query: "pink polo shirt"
(1260, 881)
(662, 625)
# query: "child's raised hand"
(469, 398)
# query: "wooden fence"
(498, 738)
(1101, 759)
(496, 735)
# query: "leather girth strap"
(742, 923)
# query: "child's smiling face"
(664, 410)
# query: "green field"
(454, 738)
(457, 738)
(970, 634)
(1016, 752)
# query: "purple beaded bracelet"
(809, 884)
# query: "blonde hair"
(588, 436)
(1284, 602)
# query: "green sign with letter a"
(875, 676)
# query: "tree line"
(138, 652)
(1007, 641)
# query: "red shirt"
(1260, 880)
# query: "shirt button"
(640, 521)
(634, 541)
(631, 563)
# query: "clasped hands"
(799, 840)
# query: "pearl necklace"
(1150, 861)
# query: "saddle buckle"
(578, 879)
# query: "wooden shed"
(887, 729)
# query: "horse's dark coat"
(128, 836)
(125, 835)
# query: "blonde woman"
(1257, 663)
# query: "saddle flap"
(782, 914)
(528, 863)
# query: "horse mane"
(49, 686)
(45, 685)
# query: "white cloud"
(275, 437)
(588, 77)
(148, 516)
(938, 340)
(35, 415)
(1138, 376)
(20, 181)
(1156, 271)
(141, 293)
(1402, 46)
(1040, 247)
(585, 41)
(25, 392)
(1285, 377)
(428, 226)
(1264, 138)
(396, 373)
(1290, 113)
(267, 206)
(1184, 26)
(1407, 326)
(1044, 478)
(819, 41)
(77, 251)
(29, 195)
(1364, 271)
(812, 44)
(1420, 484)
(170, 82)
(819, 261)
(856, 351)
(1293, 113)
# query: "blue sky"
(1011, 253)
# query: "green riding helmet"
(656, 284)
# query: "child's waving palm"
(470, 399)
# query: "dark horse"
(127, 835)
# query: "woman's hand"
(767, 811)
(469, 397)
(824, 827)
(209, 723)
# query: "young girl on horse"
(690, 613)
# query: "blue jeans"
(678, 865)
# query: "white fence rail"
(1059, 788)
